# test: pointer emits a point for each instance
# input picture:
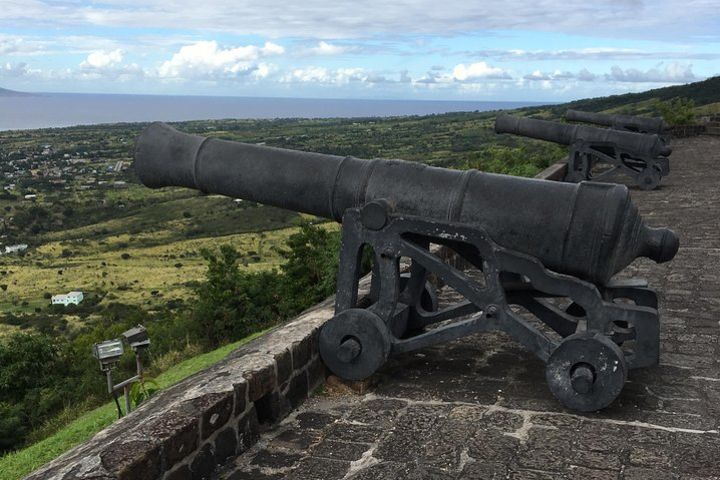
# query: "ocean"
(65, 109)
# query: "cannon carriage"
(598, 154)
(552, 248)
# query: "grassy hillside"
(17, 464)
(705, 93)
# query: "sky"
(541, 50)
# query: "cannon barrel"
(564, 134)
(590, 230)
(641, 124)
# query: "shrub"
(677, 111)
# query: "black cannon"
(628, 123)
(640, 156)
(551, 248)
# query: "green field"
(132, 245)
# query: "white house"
(15, 248)
(73, 297)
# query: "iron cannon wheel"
(649, 178)
(586, 372)
(354, 344)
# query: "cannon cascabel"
(590, 230)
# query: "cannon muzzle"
(627, 122)
(564, 134)
(590, 230)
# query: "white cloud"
(478, 71)
(206, 59)
(10, 70)
(324, 48)
(310, 74)
(536, 75)
(324, 75)
(10, 45)
(545, 77)
(586, 75)
(104, 65)
(101, 60)
(661, 19)
(594, 53)
(671, 73)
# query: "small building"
(20, 247)
(68, 298)
(30, 196)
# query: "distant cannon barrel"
(590, 230)
(629, 122)
(565, 134)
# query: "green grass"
(17, 464)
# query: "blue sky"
(546, 50)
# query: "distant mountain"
(702, 93)
(4, 92)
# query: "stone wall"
(186, 431)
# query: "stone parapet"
(189, 429)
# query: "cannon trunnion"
(543, 256)
(642, 157)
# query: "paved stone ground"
(479, 408)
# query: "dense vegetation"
(42, 376)
(701, 93)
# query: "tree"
(27, 361)
(232, 304)
(310, 269)
(677, 111)
(31, 389)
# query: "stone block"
(301, 353)
(177, 433)
(316, 373)
(283, 361)
(225, 444)
(181, 473)
(260, 381)
(134, 460)
(298, 389)
(248, 430)
(241, 391)
(203, 465)
(216, 410)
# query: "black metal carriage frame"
(603, 332)
(583, 157)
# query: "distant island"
(4, 92)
